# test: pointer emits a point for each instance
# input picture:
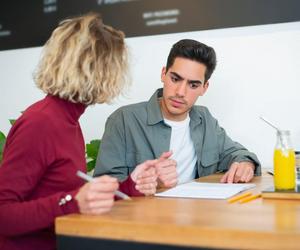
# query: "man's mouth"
(177, 103)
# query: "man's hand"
(97, 197)
(166, 171)
(239, 172)
(145, 177)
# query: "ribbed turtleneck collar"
(72, 110)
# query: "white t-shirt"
(183, 149)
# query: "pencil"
(239, 197)
(250, 198)
(89, 179)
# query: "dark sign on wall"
(30, 23)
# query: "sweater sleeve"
(27, 155)
(128, 187)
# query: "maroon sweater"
(43, 152)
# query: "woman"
(84, 62)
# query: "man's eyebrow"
(190, 81)
(195, 82)
(177, 75)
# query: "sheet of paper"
(205, 190)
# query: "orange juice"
(284, 169)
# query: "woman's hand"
(97, 197)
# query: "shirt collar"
(153, 108)
(195, 116)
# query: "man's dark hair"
(196, 51)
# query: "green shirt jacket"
(137, 132)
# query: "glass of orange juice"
(284, 162)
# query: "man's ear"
(163, 74)
(205, 87)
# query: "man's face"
(183, 84)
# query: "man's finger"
(166, 171)
(250, 175)
(144, 180)
(165, 155)
(168, 175)
(149, 163)
(169, 180)
(224, 177)
(166, 163)
(231, 172)
(146, 186)
(147, 173)
(239, 173)
(171, 183)
(245, 174)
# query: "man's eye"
(174, 79)
(194, 85)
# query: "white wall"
(257, 74)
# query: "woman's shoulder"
(34, 120)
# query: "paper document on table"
(205, 190)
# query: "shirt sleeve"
(229, 151)
(112, 157)
(234, 152)
(25, 161)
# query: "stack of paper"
(205, 190)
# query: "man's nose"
(181, 89)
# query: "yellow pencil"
(238, 197)
(250, 198)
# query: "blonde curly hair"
(84, 61)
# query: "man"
(183, 140)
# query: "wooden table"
(169, 223)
